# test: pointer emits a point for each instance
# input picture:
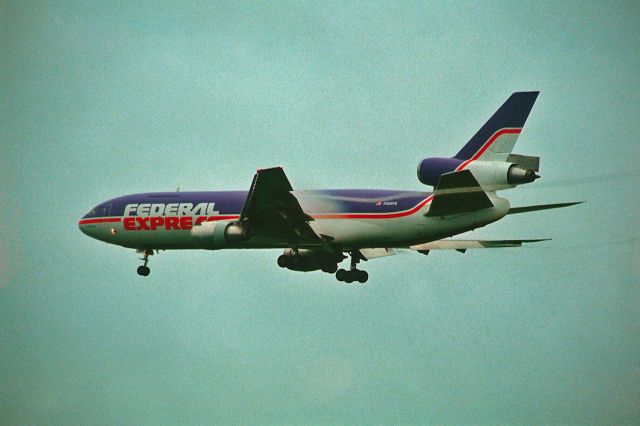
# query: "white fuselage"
(147, 229)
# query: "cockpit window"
(105, 210)
(100, 211)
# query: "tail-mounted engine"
(488, 153)
(492, 175)
(219, 234)
(430, 169)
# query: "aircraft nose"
(82, 225)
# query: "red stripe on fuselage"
(316, 216)
(100, 220)
(487, 144)
(228, 217)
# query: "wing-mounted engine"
(219, 234)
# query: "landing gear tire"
(362, 276)
(329, 267)
(144, 270)
(283, 261)
(352, 275)
(294, 261)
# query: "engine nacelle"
(219, 234)
(430, 169)
(495, 175)
(492, 175)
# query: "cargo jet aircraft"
(318, 229)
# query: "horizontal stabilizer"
(458, 192)
(461, 245)
(525, 209)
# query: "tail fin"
(495, 140)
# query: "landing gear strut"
(353, 274)
(144, 270)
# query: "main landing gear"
(353, 274)
(144, 270)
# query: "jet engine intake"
(430, 169)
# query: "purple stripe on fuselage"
(327, 201)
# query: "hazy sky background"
(114, 98)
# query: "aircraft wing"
(374, 253)
(272, 211)
(447, 244)
(464, 245)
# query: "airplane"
(318, 229)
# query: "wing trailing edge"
(463, 245)
(374, 253)
(448, 244)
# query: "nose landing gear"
(144, 270)
(353, 274)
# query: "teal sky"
(115, 98)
